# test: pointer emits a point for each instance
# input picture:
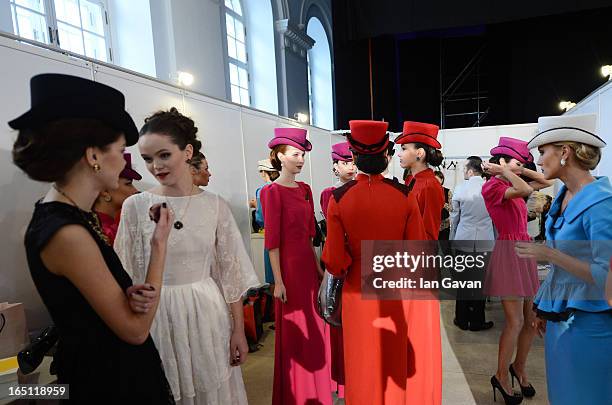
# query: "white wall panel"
(257, 129)
(220, 131)
(600, 102)
(18, 193)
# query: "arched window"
(320, 76)
(259, 18)
(79, 26)
(237, 53)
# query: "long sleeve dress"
(430, 196)
(392, 354)
(578, 350)
(301, 372)
(207, 268)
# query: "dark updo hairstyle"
(48, 152)
(197, 160)
(273, 175)
(179, 128)
(391, 148)
(276, 163)
(530, 166)
(433, 156)
(497, 158)
(371, 164)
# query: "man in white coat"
(472, 234)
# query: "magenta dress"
(301, 372)
(507, 274)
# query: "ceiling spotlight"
(301, 118)
(566, 105)
(606, 71)
(185, 79)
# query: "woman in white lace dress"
(207, 269)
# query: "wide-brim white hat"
(265, 165)
(567, 128)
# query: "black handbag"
(329, 302)
(319, 237)
(30, 358)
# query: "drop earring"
(562, 162)
(96, 167)
(108, 198)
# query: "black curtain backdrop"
(526, 67)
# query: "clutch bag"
(329, 302)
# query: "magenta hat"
(295, 137)
(513, 147)
(128, 172)
(340, 151)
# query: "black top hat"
(56, 96)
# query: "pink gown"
(301, 372)
(507, 274)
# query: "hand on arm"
(73, 253)
(141, 297)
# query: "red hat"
(419, 132)
(128, 172)
(368, 137)
(513, 147)
(295, 137)
(341, 151)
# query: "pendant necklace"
(89, 216)
(178, 224)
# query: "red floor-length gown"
(301, 372)
(430, 197)
(391, 350)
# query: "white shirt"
(470, 220)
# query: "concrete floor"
(469, 359)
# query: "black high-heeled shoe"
(527, 391)
(509, 399)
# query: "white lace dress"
(207, 267)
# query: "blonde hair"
(587, 156)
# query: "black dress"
(100, 367)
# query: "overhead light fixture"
(566, 105)
(301, 118)
(184, 78)
(606, 71)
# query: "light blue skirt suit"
(578, 340)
